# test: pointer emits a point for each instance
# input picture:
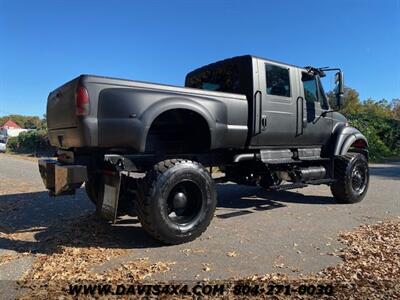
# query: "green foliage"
(351, 104)
(380, 109)
(12, 143)
(33, 141)
(379, 121)
(383, 134)
(396, 108)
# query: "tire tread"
(147, 188)
(339, 189)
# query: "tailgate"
(61, 109)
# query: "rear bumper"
(61, 179)
(64, 179)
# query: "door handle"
(301, 115)
(263, 122)
(257, 109)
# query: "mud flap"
(109, 206)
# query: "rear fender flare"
(151, 113)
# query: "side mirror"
(339, 90)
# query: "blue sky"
(46, 43)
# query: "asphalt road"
(293, 231)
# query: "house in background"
(10, 124)
(9, 129)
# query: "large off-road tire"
(177, 201)
(352, 178)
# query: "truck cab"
(287, 104)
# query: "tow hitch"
(64, 179)
(61, 179)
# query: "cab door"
(314, 128)
(277, 117)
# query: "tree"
(396, 108)
(379, 121)
(43, 122)
(351, 101)
(381, 108)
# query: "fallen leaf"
(231, 254)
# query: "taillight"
(82, 101)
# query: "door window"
(278, 81)
(310, 88)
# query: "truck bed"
(121, 113)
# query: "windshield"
(313, 90)
(221, 77)
(322, 96)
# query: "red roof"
(10, 124)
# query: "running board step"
(290, 156)
(300, 185)
(287, 186)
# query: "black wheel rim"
(184, 202)
(359, 177)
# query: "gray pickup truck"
(144, 148)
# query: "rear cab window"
(277, 80)
(222, 78)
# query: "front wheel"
(177, 201)
(352, 178)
